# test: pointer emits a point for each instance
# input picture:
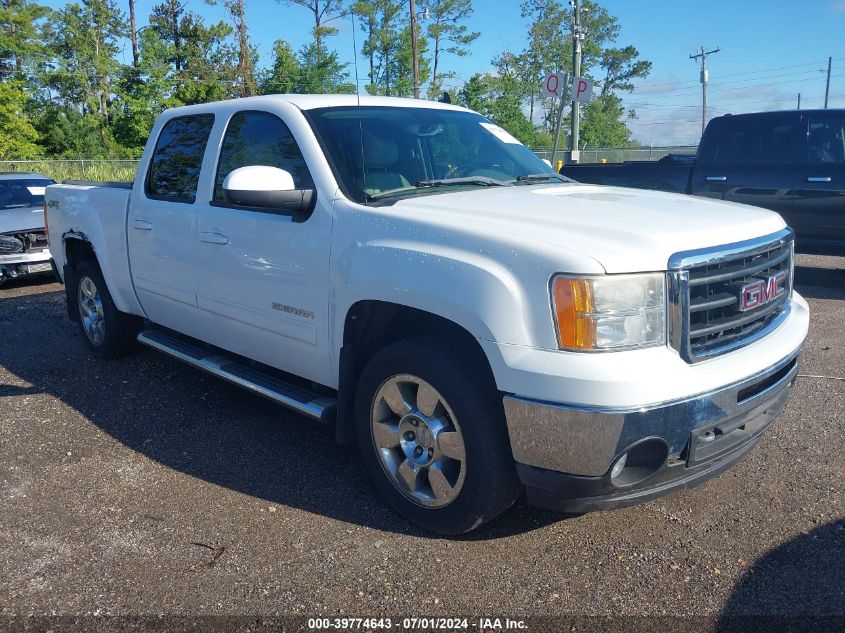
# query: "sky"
(770, 50)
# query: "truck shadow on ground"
(798, 586)
(815, 282)
(199, 425)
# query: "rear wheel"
(108, 332)
(433, 437)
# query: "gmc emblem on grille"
(762, 291)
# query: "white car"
(410, 274)
(23, 241)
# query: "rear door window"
(177, 159)
(767, 140)
(826, 140)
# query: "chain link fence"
(621, 154)
(104, 169)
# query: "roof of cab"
(311, 102)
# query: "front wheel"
(433, 437)
(108, 332)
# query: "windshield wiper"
(466, 180)
(390, 192)
(475, 181)
(542, 177)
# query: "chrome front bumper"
(581, 444)
(20, 264)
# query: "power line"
(726, 87)
(720, 85)
(671, 84)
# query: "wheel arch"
(77, 248)
(369, 325)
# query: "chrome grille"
(707, 318)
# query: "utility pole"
(133, 33)
(578, 37)
(703, 56)
(566, 82)
(414, 49)
(799, 100)
(827, 85)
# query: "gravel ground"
(142, 486)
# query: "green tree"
(319, 68)
(323, 12)
(200, 60)
(500, 99)
(322, 72)
(22, 44)
(144, 90)
(304, 72)
(245, 83)
(620, 66)
(388, 47)
(604, 123)
(449, 34)
(86, 38)
(67, 133)
(284, 76)
(181, 61)
(550, 47)
(17, 135)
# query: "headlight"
(610, 313)
(9, 245)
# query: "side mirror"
(268, 188)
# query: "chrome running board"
(218, 363)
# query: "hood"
(625, 230)
(20, 219)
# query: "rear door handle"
(819, 179)
(213, 238)
(717, 178)
(142, 225)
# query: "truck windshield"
(21, 192)
(385, 153)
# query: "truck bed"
(671, 173)
(96, 213)
(114, 184)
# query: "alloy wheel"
(418, 440)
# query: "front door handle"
(213, 238)
(819, 179)
(717, 178)
(142, 225)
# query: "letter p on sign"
(582, 89)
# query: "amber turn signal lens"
(572, 304)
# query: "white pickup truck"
(410, 274)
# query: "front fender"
(469, 288)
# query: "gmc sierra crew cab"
(409, 274)
(791, 162)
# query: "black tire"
(120, 329)
(490, 484)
